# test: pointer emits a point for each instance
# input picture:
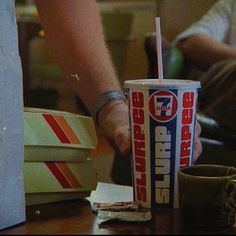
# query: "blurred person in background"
(209, 47)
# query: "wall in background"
(144, 13)
(177, 15)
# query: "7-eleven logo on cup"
(163, 105)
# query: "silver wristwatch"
(104, 98)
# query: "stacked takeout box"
(57, 165)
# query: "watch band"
(103, 99)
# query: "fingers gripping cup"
(162, 117)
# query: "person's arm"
(205, 41)
(203, 51)
(74, 33)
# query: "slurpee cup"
(162, 119)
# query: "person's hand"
(197, 142)
(113, 119)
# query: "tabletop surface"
(77, 217)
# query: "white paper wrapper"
(135, 216)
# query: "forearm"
(74, 33)
(203, 51)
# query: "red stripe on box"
(58, 174)
(62, 122)
(68, 174)
(56, 128)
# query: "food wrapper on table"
(57, 166)
(51, 135)
(115, 202)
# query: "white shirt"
(219, 22)
(12, 197)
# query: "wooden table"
(76, 217)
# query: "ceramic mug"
(207, 196)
